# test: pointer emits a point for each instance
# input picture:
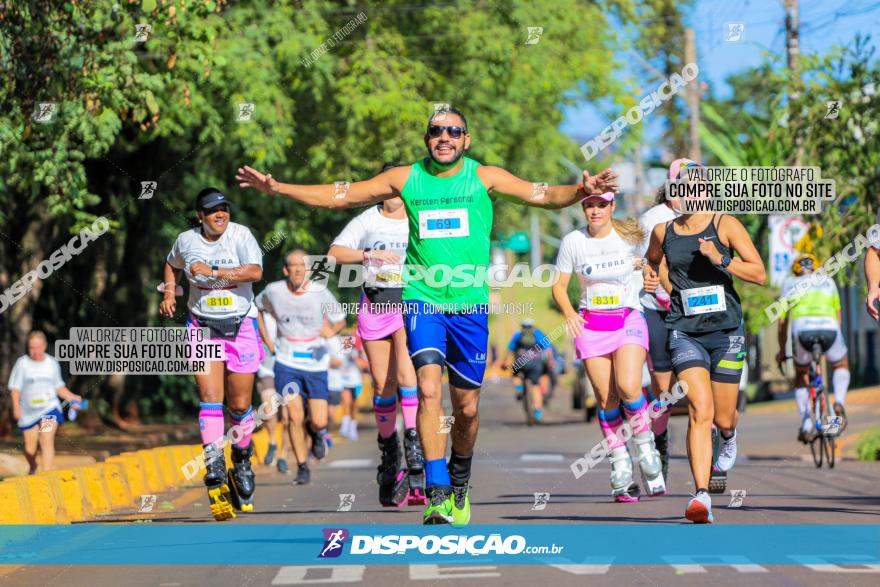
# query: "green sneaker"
(439, 510)
(461, 506)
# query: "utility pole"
(792, 34)
(692, 96)
(793, 50)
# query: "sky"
(823, 24)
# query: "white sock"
(353, 429)
(802, 397)
(344, 425)
(840, 384)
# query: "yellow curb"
(94, 488)
(133, 469)
(16, 505)
(68, 493)
(166, 465)
(44, 495)
(261, 444)
(151, 470)
(115, 478)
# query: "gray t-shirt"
(300, 318)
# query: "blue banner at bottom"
(242, 544)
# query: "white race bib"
(443, 223)
(605, 296)
(218, 302)
(703, 300)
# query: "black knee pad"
(428, 357)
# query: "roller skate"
(392, 480)
(415, 467)
(623, 489)
(718, 478)
(650, 465)
(217, 483)
(242, 477)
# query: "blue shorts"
(54, 413)
(309, 384)
(459, 340)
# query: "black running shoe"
(319, 447)
(661, 442)
(303, 477)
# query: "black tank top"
(689, 269)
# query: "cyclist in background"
(817, 309)
(532, 353)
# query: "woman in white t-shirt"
(611, 335)
(221, 260)
(378, 238)
(36, 385)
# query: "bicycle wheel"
(817, 448)
(830, 449)
(527, 402)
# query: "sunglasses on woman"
(435, 131)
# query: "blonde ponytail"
(630, 230)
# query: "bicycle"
(825, 425)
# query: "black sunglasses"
(435, 131)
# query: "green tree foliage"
(165, 110)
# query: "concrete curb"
(84, 493)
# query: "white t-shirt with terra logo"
(217, 298)
(38, 382)
(604, 267)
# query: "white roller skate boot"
(622, 487)
(650, 464)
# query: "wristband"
(214, 270)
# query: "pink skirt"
(595, 343)
(376, 325)
(244, 353)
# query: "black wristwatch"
(725, 261)
(214, 270)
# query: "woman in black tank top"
(695, 257)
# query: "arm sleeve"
(175, 258)
(16, 378)
(333, 309)
(564, 261)
(248, 249)
(542, 339)
(353, 235)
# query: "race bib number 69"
(443, 223)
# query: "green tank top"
(450, 220)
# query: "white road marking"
(548, 457)
(296, 575)
(350, 464)
(538, 470)
(435, 572)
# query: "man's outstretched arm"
(541, 195)
(329, 195)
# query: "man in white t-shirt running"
(307, 314)
(36, 385)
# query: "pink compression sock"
(409, 405)
(385, 411)
(245, 423)
(211, 423)
(610, 423)
(637, 415)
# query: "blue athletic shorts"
(310, 384)
(459, 340)
(53, 413)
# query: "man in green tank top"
(448, 198)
